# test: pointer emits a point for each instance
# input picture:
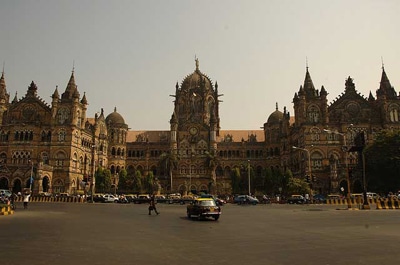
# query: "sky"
(130, 54)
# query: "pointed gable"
(71, 88)
(385, 88)
(308, 86)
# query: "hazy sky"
(130, 54)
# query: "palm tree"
(212, 163)
(169, 162)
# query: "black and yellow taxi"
(203, 207)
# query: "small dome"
(276, 116)
(115, 118)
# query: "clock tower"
(194, 129)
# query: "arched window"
(81, 164)
(316, 160)
(45, 158)
(313, 114)
(394, 115)
(60, 158)
(75, 161)
(78, 118)
(62, 135)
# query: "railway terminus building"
(59, 145)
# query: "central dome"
(196, 80)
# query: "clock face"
(193, 130)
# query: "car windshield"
(207, 203)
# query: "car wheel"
(188, 215)
(216, 217)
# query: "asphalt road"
(72, 233)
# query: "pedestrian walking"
(12, 201)
(152, 205)
(27, 195)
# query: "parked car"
(96, 198)
(319, 198)
(45, 194)
(296, 199)
(245, 199)
(187, 199)
(110, 198)
(142, 198)
(160, 198)
(5, 193)
(334, 197)
(130, 197)
(372, 195)
(202, 208)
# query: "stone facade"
(61, 147)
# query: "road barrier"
(387, 204)
(6, 210)
(51, 199)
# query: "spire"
(3, 90)
(371, 97)
(15, 100)
(385, 87)
(71, 87)
(323, 92)
(56, 95)
(84, 100)
(349, 84)
(308, 83)
(32, 89)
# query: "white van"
(5, 193)
(372, 195)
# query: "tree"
(297, 186)
(137, 182)
(169, 162)
(103, 180)
(382, 162)
(212, 162)
(123, 180)
(148, 182)
(235, 180)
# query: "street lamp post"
(31, 178)
(248, 174)
(309, 167)
(345, 149)
(93, 182)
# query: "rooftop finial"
(115, 109)
(2, 73)
(306, 63)
(73, 66)
(383, 65)
(197, 62)
(276, 105)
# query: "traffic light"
(308, 178)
